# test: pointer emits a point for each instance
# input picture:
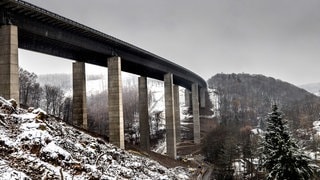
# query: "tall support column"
(203, 97)
(79, 105)
(170, 117)
(115, 104)
(187, 98)
(143, 115)
(196, 114)
(9, 66)
(177, 112)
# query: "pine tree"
(282, 158)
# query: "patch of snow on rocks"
(7, 173)
(32, 148)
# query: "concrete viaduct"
(26, 26)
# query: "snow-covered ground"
(156, 88)
(6, 172)
(316, 137)
(157, 94)
(31, 148)
(316, 127)
(214, 98)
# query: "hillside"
(246, 99)
(34, 146)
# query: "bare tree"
(97, 113)
(53, 97)
(30, 90)
(130, 103)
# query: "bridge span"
(24, 25)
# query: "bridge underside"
(9, 88)
(23, 25)
(42, 31)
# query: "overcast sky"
(278, 38)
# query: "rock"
(13, 103)
(30, 109)
(41, 116)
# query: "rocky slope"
(34, 146)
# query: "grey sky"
(278, 38)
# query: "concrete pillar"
(196, 114)
(9, 66)
(143, 115)
(177, 112)
(170, 116)
(79, 103)
(203, 97)
(115, 104)
(187, 99)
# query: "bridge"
(24, 25)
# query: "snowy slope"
(31, 148)
(156, 88)
(214, 98)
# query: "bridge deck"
(46, 32)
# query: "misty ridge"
(313, 88)
(64, 80)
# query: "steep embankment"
(248, 98)
(33, 146)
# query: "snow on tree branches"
(282, 158)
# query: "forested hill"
(247, 98)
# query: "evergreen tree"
(282, 157)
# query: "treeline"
(245, 98)
(244, 102)
(63, 81)
(230, 148)
(52, 94)
(32, 94)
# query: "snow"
(316, 126)
(316, 137)
(34, 136)
(4, 101)
(214, 98)
(37, 149)
(30, 126)
(157, 94)
(161, 147)
(257, 131)
(6, 172)
(96, 86)
(158, 101)
(238, 165)
(54, 151)
(39, 110)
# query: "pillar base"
(143, 115)
(79, 107)
(170, 116)
(177, 112)
(9, 66)
(196, 114)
